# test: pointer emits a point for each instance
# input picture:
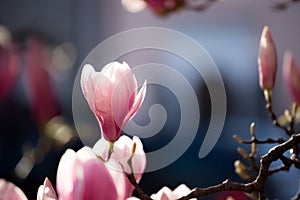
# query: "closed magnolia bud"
(291, 75)
(267, 60)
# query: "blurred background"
(43, 44)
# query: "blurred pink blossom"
(9, 69)
(232, 195)
(267, 60)
(9, 191)
(291, 74)
(112, 96)
(167, 194)
(42, 95)
(134, 5)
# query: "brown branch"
(274, 119)
(255, 186)
(258, 184)
(266, 141)
(132, 180)
(139, 190)
(227, 185)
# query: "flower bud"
(267, 60)
(291, 75)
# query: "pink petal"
(163, 193)
(70, 180)
(103, 110)
(124, 93)
(101, 148)
(181, 191)
(97, 179)
(122, 152)
(139, 159)
(87, 84)
(120, 156)
(132, 198)
(120, 180)
(166, 194)
(9, 191)
(46, 191)
(137, 103)
(110, 130)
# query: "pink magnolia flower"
(166, 194)
(42, 95)
(231, 195)
(81, 176)
(134, 5)
(9, 69)
(122, 151)
(291, 74)
(9, 191)
(160, 7)
(267, 60)
(112, 96)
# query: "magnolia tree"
(113, 168)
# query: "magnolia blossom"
(42, 95)
(292, 76)
(124, 148)
(9, 69)
(160, 7)
(82, 176)
(167, 194)
(134, 5)
(112, 96)
(9, 191)
(267, 60)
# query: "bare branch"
(258, 184)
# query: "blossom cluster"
(101, 172)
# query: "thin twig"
(266, 141)
(258, 184)
(139, 190)
(275, 120)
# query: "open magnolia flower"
(81, 176)
(167, 194)
(124, 148)
(112, 96)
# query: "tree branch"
(258, 184)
